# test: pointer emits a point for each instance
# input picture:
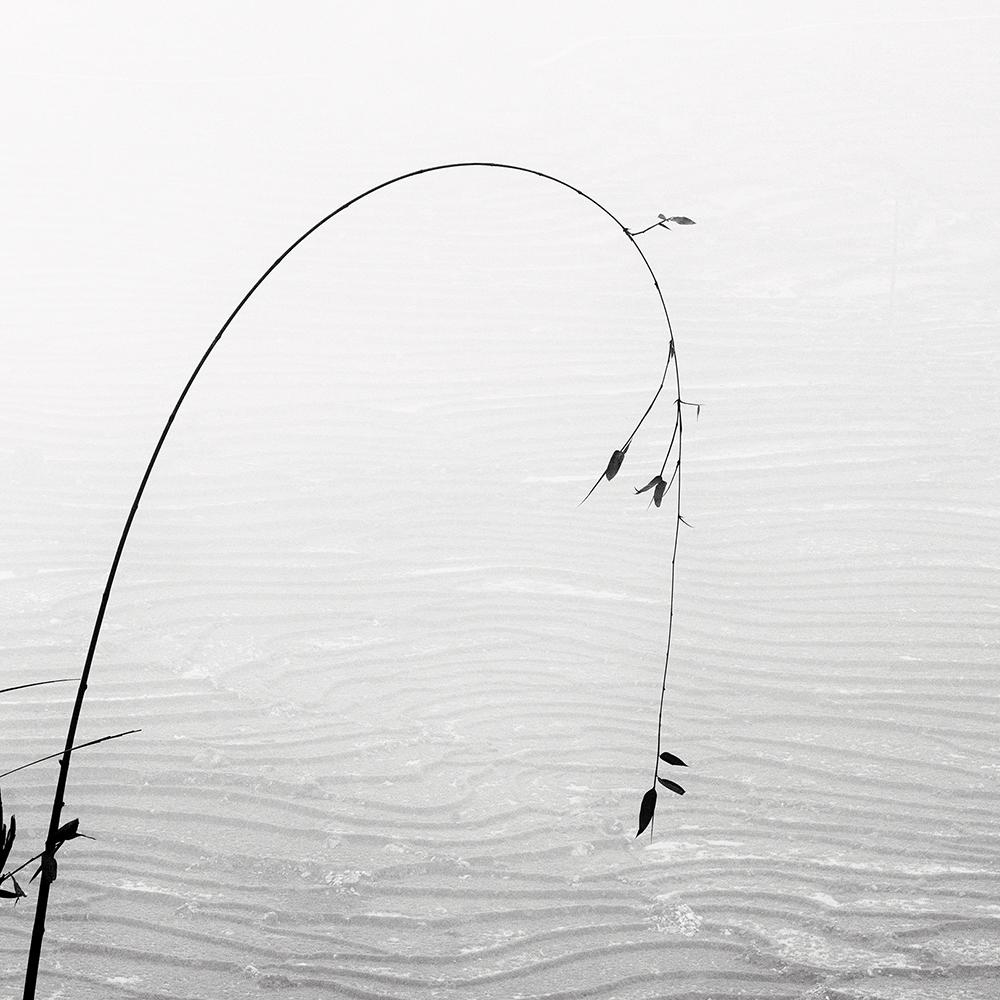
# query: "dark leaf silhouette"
(6, 837)
(662, 217)
(615, 464)
(672, 785)
(669, 758)
(681, 519)
(16, 893)
(68, 830)
(659, 486)
(49, 866)
(681, 220)
(646, 810)
(7, 841)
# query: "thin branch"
(79, 746)
(669, 447)
(14, 871)
(591, 490)
(35, 684)
(677, 468)
(639, 232)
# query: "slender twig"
(679, 433)
(670, 448)
(666, 367)
(38, 928)
(79, 746)
(639, 232)
(35, 684)
(14, 871)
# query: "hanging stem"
(51, 844)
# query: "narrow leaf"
(681, 220)
(7, 842)
(672, 785)
(669, 758)
(68, 830)
(649, 485)
(661, 488)
(646, 809)
(615, 464)
(7, 894)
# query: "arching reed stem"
(51, 845)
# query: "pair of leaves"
(658, 485)
(669, 758)
(68, 831)
(648, 805)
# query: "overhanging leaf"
(669, 758)
(646, 810)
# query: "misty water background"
(397, 691)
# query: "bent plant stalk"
(56, 831)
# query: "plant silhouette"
(8, 832)
(59, 832)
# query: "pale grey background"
(397, 692)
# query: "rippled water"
(398, 692)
